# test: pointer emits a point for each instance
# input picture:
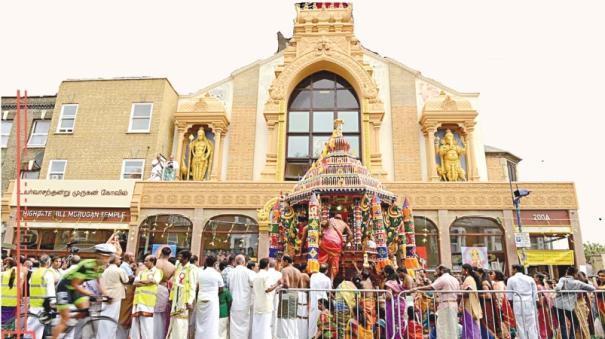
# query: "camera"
(72, 249)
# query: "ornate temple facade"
(202, 168)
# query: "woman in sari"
(583, 311)
(599, 284)
(346, 298)
(544, 305)
(358, 327)
(395, 305)
(507, 316)
(471, 308)
(490, 323)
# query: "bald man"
(161, 314)
(240, 284)
(287, 325)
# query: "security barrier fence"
(376, 313)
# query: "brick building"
(39, 115)
(267, 122)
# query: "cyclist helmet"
(105, 249)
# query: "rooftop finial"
(337, 128)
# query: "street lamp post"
(517, 195)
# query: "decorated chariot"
(340, 215)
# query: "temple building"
(202, 170)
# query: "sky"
(539, 65)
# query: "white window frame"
(124, 167)
(9, 132)
(65, 130)
(130, 130)
(32, 134)
(50, 166)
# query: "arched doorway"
(164, 229)
(229, 234)
(427, 241)
(478, 241)
(314, 105)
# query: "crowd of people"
(168, 296)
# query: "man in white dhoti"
(263, 301)
(318, 281)
(113, 279)
(240, 284)
(274, 277)
(524, 302)
(303, 304)
(41, 285)
(182, 296)
(210, 284)
(287, 324)
(161, 314)
(143, 305)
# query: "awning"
(549, 257)
(70, 225)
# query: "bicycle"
(86, 326)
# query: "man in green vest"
(41, 286)
(143, 305)
(8, 297)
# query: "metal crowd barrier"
(350, 313)
(364, 314)
(570, 314)
(463, 314)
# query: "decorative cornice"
(423, 195)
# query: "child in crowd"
(325, 326)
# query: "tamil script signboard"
(76, 193)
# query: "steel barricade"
(570, 314)
(464, 313)
(351, 313)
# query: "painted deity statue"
(450, 154)
(201, 150)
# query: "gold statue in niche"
(199, 157)
(450, 155)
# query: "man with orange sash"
(332, 242)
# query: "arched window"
(224, 235)
(427, 241)
(164, 229)
(472, 237)
(314, 105)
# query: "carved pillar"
(217, 163)
(577, 247)
(512, 257)
(181, 129)
(445, 247)
(196, 231)
(263, 231)
(429, 136)
(271, 171)
(472, 174)
(373, 137)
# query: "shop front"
(551, 241)
(69, 215)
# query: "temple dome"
(338, 171)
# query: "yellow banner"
(549, 257)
